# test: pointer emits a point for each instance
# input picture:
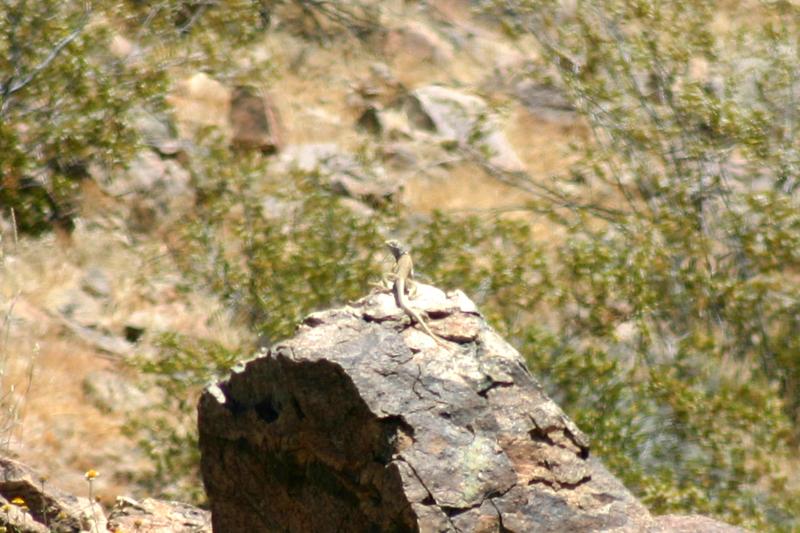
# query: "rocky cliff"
(362, 422)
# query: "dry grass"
(461, 186)
(543, 145)
(63, 432)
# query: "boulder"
(362, 422)
(340, 171)
(463, 120)
(200, 102)
(244, 115)
(31, 504)
(96, 282)
(254, 120)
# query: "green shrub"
(67, 99)
(675, 283)
(664, 322)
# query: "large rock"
(245, 115)
(340, 171)
(254, 119)
(362, 422)
(32, 504)
(463, 120)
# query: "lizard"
(402, 277)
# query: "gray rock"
(48, 508)
(362, 422)
(157, 131)
(96, 282)
(150, 175)
(546, 101)
(98, 338)
(76, 305)
(464, 120)
(152, 188)
(340, 171)
(157, 516)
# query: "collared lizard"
(402, 278)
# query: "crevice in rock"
(491, 498)
(379, 320)
(36, 502)
(452, 512)
(558, 485)
(484, 392)
(429, 499)
(300, 414)
(582, 446)
(313, 321)
(539, 435)
(398, 433)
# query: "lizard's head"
(396, 247)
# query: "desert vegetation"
(649, 277)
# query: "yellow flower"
(91, 474)
(18, 501)
(6, 507)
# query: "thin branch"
(21, 84)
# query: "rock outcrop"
(463, 120)
(340, 172)
(157, 516)
(31, 504)
(362, 422)
(254, 119)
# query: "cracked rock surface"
(362, 422)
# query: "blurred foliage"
(274, 248)
(323, 20)
(72, 74)
(676, 285)
(168, 434)
(666, 320)
(63, 99)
